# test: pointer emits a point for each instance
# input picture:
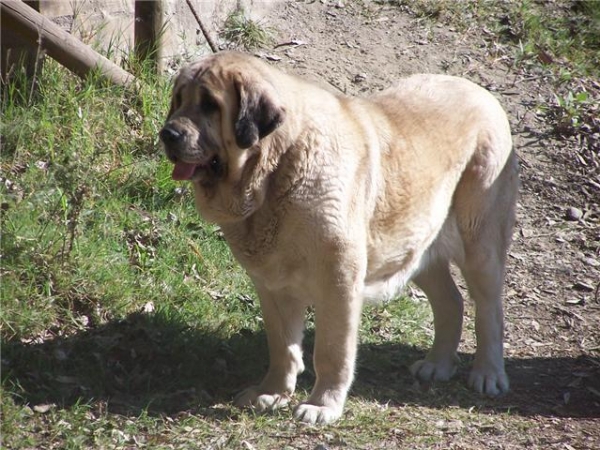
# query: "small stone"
(583, 286)
(44, 408)
(574, 213)
(526, 232)
(591, 262)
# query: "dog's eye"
(208, 104)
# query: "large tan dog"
(327, 201)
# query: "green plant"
(240, 30)
(570, 111)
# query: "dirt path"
(553, 304)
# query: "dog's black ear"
(259, 112)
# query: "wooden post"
(40, 31)
(16, 55)
(147, 30)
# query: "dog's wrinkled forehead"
(211, 71)
(193, 74)
(216, 70)
(195, 84)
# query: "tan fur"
(347, 199)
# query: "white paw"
(261, 402)
(489, 382)
(428, 371)
(312, 414)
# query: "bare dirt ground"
(552, 295)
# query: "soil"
(552, 302)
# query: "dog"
(329, 201)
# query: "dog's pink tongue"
(183, 171)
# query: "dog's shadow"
(156, 364)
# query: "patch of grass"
(558, 39)
(563, 33)
(548, 32)
(242, 31)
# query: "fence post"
(16, 54)
(39, 31)
(148, 30)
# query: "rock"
(583, 286)
(574, 213)
(43, 408)
(591, 262)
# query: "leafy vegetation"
(240, 30)
(560, 39)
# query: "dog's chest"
(267, 251)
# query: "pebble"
(591, 262)
(574, 213)
(583, 286)
(43, 408)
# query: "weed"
(245, 32)
(569, 112)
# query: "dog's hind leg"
(484, 273)
(447, 305)
(486, 224)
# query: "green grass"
(557, 40)
(559, 33)
(242, 31)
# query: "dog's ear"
(259, 111)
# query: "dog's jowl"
(327, 201)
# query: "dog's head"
(222, 106)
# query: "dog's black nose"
(170, 135)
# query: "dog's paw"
(260, 401)
(489, 382)
(316, 415)
(428, 371)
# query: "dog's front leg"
(337, 317)
(283, 317)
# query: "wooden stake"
(40, 31)
(147, 31)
